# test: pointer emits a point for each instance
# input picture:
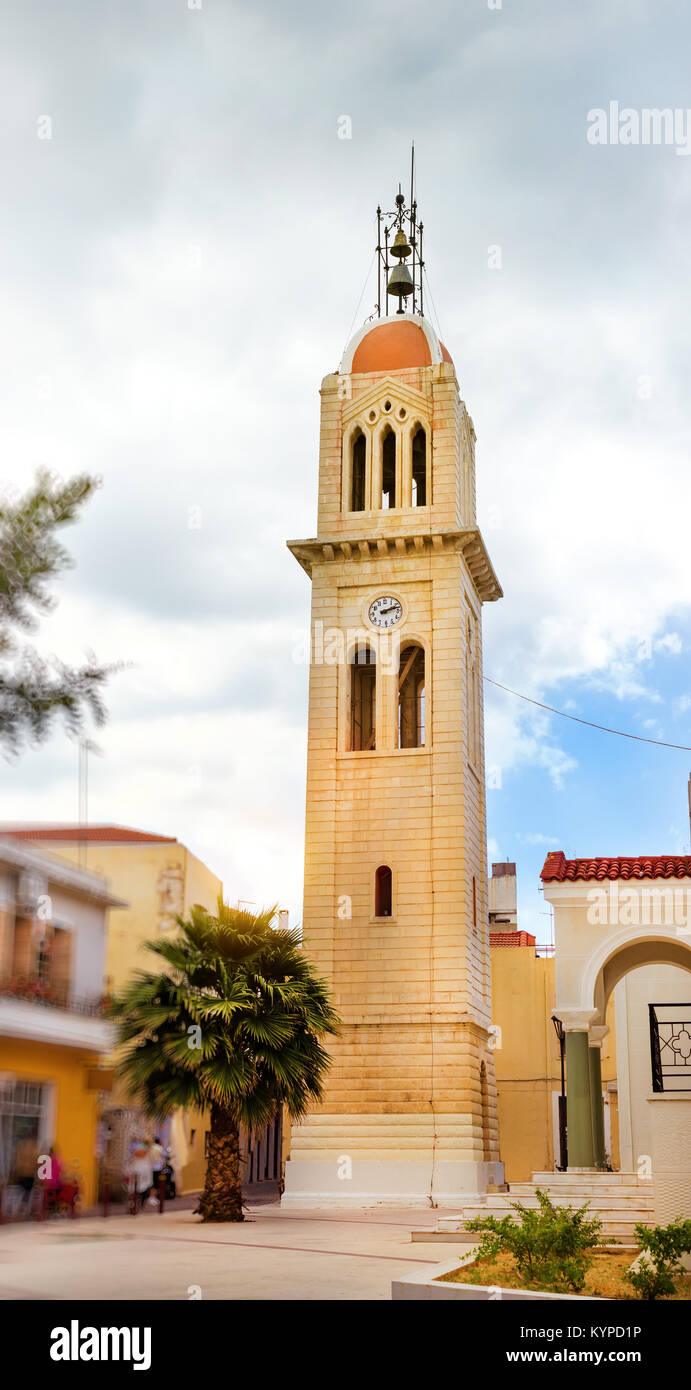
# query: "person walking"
(52, 1180)
(157, 1162)
(141, 1171)
(25, 1172)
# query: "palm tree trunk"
(221, 1199)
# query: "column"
(579, 1118)
(595, 1039)
(577, 1024)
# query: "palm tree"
(232, 1025)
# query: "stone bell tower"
(395, 909)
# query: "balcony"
(32, 1009)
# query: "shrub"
(551, 1246)
(659, 1267)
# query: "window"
(23, 1118)
(358, 469)
(411, 698)
(363, 700)
(382, 891)
(388, 470)
(43, 971)
(420, 468)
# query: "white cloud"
(670, 643)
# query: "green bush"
(551, 1246)
(660, 1267)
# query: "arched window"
(411, 698)
(382, 891)
(388, 469)
(420, 468)
(358, 471)
(363, 700)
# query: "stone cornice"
(466, 541)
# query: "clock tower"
(395, 905)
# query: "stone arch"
(623, 949)
(628, 950)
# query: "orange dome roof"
(392, 345)
(389, 345)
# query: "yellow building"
(159, 878)
(526, 1055)
(53, 923)
(395, 911)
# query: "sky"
(182, 257)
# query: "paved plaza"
(272, 1255)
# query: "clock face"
(385, 612)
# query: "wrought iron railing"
(37, 992)
(670, 1046)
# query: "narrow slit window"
(363, 700)
(420, 468)
(411, 698)
(43, 971)
(357, 495)
(382, 891)
(388, 470)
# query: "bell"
(400, 249)
(400, 284)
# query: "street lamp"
(563, 1146)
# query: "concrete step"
(620, 1245)
(587, 1179)
(617, 1222)
(610, 1189)
(640, 1196)
(638, 1213)
(599, 1201)
(612, 1229)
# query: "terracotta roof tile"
(558, 869)
(100, 834)
(511, 938)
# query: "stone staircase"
(619, 1199)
